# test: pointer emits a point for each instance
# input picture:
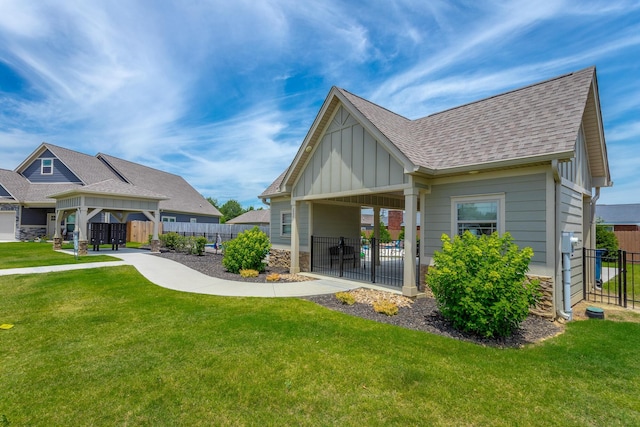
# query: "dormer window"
(46, 166)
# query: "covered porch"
(117, 198)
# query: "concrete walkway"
(173, 275)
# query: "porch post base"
(410, 291)
(57, 243)
(155, 246)
(83, 246)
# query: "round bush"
(247, 251)
(480, 283)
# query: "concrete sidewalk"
(173, 275)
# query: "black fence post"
(311, 255)
(341, 256)
(623, 270)
(374, 257)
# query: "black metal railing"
(611, 277)
(367, 260)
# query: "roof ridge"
(374, 104)
(518, 89)
(99, 155)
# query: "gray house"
(55, 191)
(530, 162)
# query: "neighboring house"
(259, 217)
(620, 217)
(530, 162)
(54, 189)
(624, 221)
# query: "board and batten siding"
(348, 158)
(571, 219)
(576, 170)
(525, 211)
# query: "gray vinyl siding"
(571, 218)
(277, 207)
(336, 221)
(60, 172)
(348, 158)
(4, 192)
(525, 211)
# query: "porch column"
(409, 287)
(295, 240)
(81, 227)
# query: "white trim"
(42, 166)
(168, 219)
(496, 197)
(283, 223)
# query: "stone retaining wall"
(544, 308)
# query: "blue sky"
(224, 92)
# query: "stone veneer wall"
(279, 258)
(544, 308)
(282, 258)
(32, 233)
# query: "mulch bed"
(422, 315)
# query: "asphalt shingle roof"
(182, 196)
(539, 120)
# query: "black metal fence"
(611, 278)
(366, 260)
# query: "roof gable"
(530, 125)
(182, 197)
(87, 169)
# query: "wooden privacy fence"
(628, 240)
(139, 231)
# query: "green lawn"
(106, 347)
(633, 280)
(30, 254)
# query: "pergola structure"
(116, 197)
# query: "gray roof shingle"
(520, 126)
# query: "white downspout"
(567, 314)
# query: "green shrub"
(172, 240)
(385, 306)
(479, 283)
(346, 298)
(246, 251)
(199, 244)
(606, 239)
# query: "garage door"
(7, 225)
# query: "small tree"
(606, 239)
(247, 251)
(480, 283)
(231, 209)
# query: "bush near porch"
(480, 283)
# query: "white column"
(409, 287)
(295, 240)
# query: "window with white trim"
(478, 214)
(193, 220)
(285, 221)
(46, 166)
(168, 219)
